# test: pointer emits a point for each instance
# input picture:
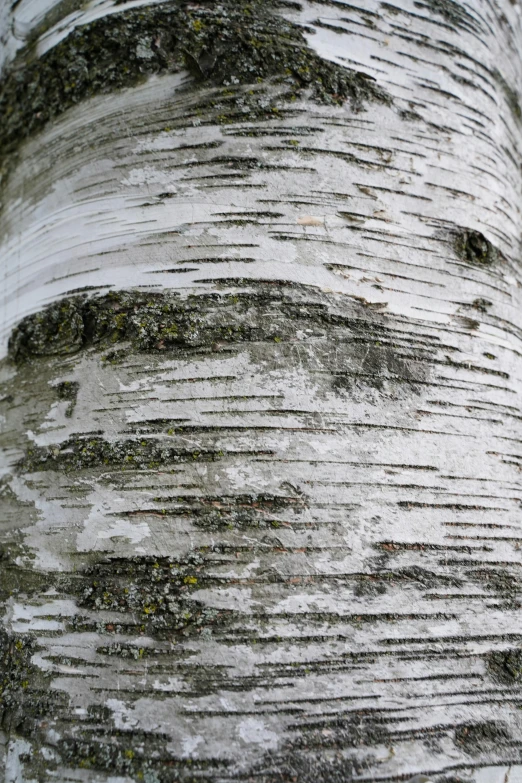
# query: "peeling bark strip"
(260, 494)
(228, 43)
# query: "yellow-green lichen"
(223, 44)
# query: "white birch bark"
(323, 445)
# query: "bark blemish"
(222, 45)
(24, 694)
(481, 304)
(68, 390)
(498, 580)
(480, 737)
(81, 453)
(153, 593)
(473, 248)
(322, 751)
(454, 13)
(512, 96)
(123, 755)
(506, 665)
(360, 348)
(234, 511)
(55, 331)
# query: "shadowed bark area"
(260, 499)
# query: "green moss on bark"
(83, 453)
(358, 346)
(155, 592)
(24, 694)
(222, 44)
(57, 330)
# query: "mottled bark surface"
(261, 317)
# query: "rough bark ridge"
(261, 488)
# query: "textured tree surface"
(261, 324)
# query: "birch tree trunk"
(261, 495)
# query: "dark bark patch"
(358, 347)
(481, 304)
(16, 579)
(140, 755)
(15, 514)
(155, 594)
(473, 248)
(83, 453)
(326, 759)
(420, 578)
(24, 694)
(453, 13)
(369, 586)
(68, 390)
(511, 95)
(330, 732)
(225, 44)
(234, 512)
(377, 362)
(56, 331)
(498, 580)
(506, 665)
(480, 737)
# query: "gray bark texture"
(261, 391)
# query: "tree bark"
(261, 490)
